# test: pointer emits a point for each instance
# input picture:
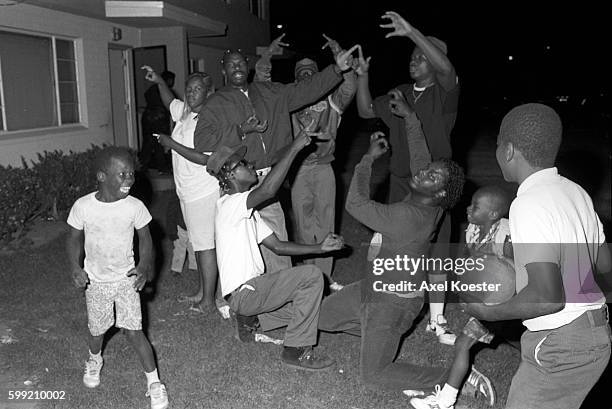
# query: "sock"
(435, 309)
(448, 395)
(152, 377)
(96, 357)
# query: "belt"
(592, 318)
(263, 171)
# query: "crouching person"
(289, 297)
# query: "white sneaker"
(442, 330)
(225, 312)
(431, 401)
(159, 396)
(91, 377)
(482, 385)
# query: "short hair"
(167, 75)
(535, 131)
(204, 77)
(107, 154)
(454, 183)
(500, 198)
(230, 51)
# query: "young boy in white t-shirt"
(102, 226)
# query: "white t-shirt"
(238, 232)
(552, 210)
(109, 234)
(192, 180)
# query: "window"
(38, 82)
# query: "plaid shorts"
(101, 297)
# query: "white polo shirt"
(192, 180)
(552, 210)
(238, 232)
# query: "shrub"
(21, 201)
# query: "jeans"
(381, 326)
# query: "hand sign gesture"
(398, 24)
(363, 64)
(332, 242)
(378, 145)
(398, 104)
(276, 44)
(151, 75)
(253, 124)
(332, 44)
(343, 59)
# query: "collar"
(543, 176)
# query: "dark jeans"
(381, 325)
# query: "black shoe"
(246, 327)
(305, 359)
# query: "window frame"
(78, 61)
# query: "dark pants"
(290, 298)
(381, 326)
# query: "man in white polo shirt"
(559, 246)
(289, 297)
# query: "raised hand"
(378, 145)
(397, 23)
(363, 64)
(344, 58)
(303, 139)
(398, 104)
(253, 124)
(141, 278)
(332, 242)
(276, 44)
(151, 75)
(80, 278)
(332, 44)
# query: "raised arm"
(417, 145)
(164, 92)
(312, 89)
(364, 97)
(445, 72)
(263, 66)
(377, 216)
(267, 190)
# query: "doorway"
(122, 106)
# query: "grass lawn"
(199, 359)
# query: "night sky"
(480, 40)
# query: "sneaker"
(305, 359)
(159, 396)
(335, 286)
(246, 327)
(431, 401)
(442, 330)
(91, 378)
(480, 384)
(225, 312)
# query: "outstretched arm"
(188, 153)
(164, 92)
(267, 190)
(263, 66)
(445, 72)
(364, 97)
(331, 242)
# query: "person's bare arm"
(164, 92)
(364, 97)
(74, 249)
(144, 270)
(332, 242)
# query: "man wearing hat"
(264, 108)
(313, 192)
(289, 297)
(434, 96)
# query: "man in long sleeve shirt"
(371, 307)
(269, 104)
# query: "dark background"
(480, 39)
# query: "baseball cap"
(305, 64)
(221, 155)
